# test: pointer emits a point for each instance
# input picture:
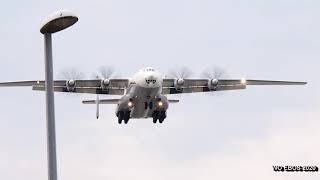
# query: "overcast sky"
(239, 134)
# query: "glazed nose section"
(151, 80)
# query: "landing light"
(243, 81)
(130, 104)
(160, 103)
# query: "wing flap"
(121, 83)
(88, 90)
(187, 82)
(173, 90)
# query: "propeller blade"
(70, 73)
(106, 72)
(214, 73)
(182, 72)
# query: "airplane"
(145, 94)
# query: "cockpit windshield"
(148, 69)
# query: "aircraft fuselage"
(143, 98)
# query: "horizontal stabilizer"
(20, 83)
(173, 100)
(102, 101)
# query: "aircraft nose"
(151, 77)
(151, 80)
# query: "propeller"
(213, 75)
(106, 72)
(70, 75)
(180, 73)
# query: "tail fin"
(97, 102)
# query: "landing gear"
(162, 116)
(120, 116)
(126, 117)
(123, 115)
(155, 116)
(148, 105)
(159, 115)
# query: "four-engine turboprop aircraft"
(144, 95)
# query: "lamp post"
(54, 23)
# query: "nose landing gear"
(148, 105)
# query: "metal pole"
(51, 136)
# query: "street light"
(56, 22)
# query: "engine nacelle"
(70, 84)
(105, 83)
(212, 84)
(178, 83)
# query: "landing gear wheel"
(155, 116)
(155, 120)
(120, 116)
(162, 116)
(126, 117)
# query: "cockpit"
(149, 69)
(148, 77)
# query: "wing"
(172, 86)
(114, 86)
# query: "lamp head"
(58, 21)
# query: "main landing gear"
(159, 115)
(123, 116)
